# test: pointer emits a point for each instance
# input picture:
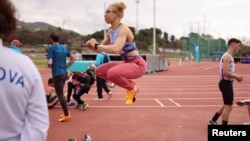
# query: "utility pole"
(204, 26)
(154, 32)
(104, 29)
(137, 30)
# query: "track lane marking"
(171, 100)
(117, 106)
(158, 101)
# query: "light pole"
(136, 30)
(208, 51)
(204, 26)
(154, 32)
(104, 30)
(219, 42)
(198, 26)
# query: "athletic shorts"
(226, 88)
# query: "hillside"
(38, 26)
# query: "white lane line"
(158, 101)
(171, 100)
(200, 67)
(211, 67)
(117, 106)
(182, 98)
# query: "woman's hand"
(91, 43)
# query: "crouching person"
(82, 87)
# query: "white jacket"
(23, 106)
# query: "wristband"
(96, 45)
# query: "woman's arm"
(123, 35)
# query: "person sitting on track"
(52, 99)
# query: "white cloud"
(222, 18)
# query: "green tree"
(165, 37)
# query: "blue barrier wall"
(154, 62)
(80, 66)
(245, 60)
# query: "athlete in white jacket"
(23, 106)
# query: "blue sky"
(220, 18)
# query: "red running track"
(172, 105)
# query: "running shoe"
(64, 118)
(243, 102)
(211, 122)
(62, 115)
(131, 96)
(132, 82)
(72, 139)
(72, 104)
(84, 106)
(98, 99)
(87, 137)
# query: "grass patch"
(40, 61)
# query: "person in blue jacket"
(101, 58)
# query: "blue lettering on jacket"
(13, 77)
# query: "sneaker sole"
(242, 103)
(99, 99)
(212, 123)
(64, 120)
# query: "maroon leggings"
(121, 72)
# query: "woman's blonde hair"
(119, 6)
